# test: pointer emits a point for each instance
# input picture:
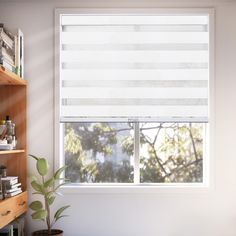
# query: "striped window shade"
(134, 67)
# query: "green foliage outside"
(169, 152)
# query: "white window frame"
(208, 164)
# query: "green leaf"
(60, 185)
(36, 205)
(59, 194)
(39, 215)
(51, 200)
(49, 194)
(59, 172)
(37, 187)
(42, 166)
(32, 178)
(60, 217)
(36, 158)
(49, 183)
(64, 179)
(37, 193)
(60, 211)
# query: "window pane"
(99, 152)
(171, 152)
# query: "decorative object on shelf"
(3, 129)
(7, 136)
(12, 50)
(3, 171)
(47, 188)
(1, 188)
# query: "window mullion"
(136, 153)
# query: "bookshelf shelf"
(12, 198)
(9, 78)
(3, 152)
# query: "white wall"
(206, 213)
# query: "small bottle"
(3, 129)
(1, 190)
(9, 130)
(14, 140)
(3, 171)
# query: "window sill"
(135, 189)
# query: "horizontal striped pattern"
(142, 66)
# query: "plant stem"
(47, 209)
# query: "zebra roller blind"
(134, 66)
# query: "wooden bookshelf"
(13, 102)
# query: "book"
(6, 146)
(9, 183)
(6, 37)
(8, 66)
(7, 49)
(12, 50)
(7, 195)
(7, 57)
(7, 54)
(10, 180)
(12, 190)
(20, 54)
(9, 186)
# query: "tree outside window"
(104, 152)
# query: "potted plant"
(47, 187)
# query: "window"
(106, 153)
(134, 97)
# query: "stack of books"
(11, 186)
(7, 49)
(11, 50)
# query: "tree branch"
(155, 139)
(154, 151)
(193, 143)
(177, 169)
